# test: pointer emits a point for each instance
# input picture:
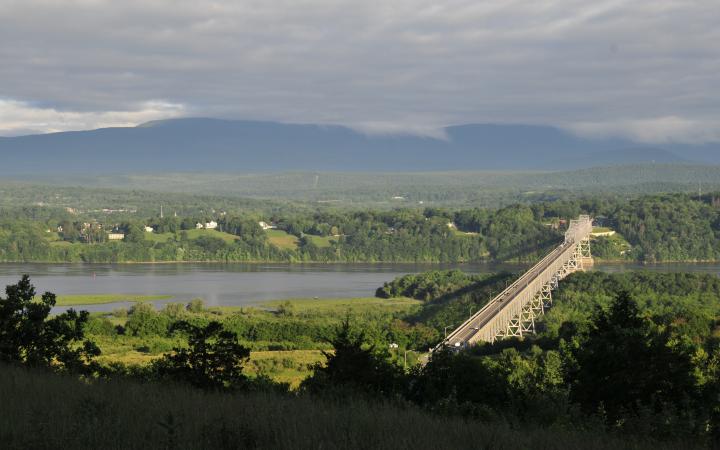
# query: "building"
(116, 236)
(149, 229)
(267, 226)
(210, 225)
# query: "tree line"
(669, 227)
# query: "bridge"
(514, 310)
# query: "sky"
(644, 70)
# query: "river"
(245, 284)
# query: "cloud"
(17, 118)
(406, 65)
(659, 130)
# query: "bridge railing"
(513, 307)
(535, 278)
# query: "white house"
(267, 226)
(116, 236)
(210, 225)
(199, 225)
(149, 229)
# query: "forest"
(650, 228)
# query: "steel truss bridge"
(513, 312)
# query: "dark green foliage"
(685, 303)
(355, 365)
(101, 326)
(625, 365)
(213, 359)
(427, 285)
(451, 309)
(512, 233)
(528, 386)
(29, 337)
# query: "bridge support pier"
(586, 259)
(524, 322)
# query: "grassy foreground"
(48, 411)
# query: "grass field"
(196, 233)
(320, 241)
(191, 234)
(338, 306)
(159, 237)
(97, 299)
(284, 366)
(281, 239)
(288, 366)
(457, 232)
(42, 410)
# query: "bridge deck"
(493, 317)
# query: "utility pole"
(405, 361)
(161, 212)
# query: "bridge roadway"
(488, 321)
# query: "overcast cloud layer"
(644, 70)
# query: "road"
(485, 315)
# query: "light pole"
(446, 331)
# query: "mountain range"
(199, 144)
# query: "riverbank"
(101, 299)
(350, 262)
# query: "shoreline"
(349, 263)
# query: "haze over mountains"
(193, 144)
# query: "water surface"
(244, 284)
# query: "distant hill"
(382, 189)
(249, 146)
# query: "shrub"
(196, 305)
(145, 321)
(101, 326)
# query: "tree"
(213, 360)
(145, 321)
(28, 336)
(625, 365)
(134, 232)
(354, 365)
